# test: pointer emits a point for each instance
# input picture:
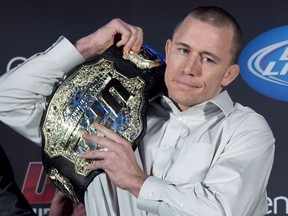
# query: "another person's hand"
(63, 206)
(117, 160)
(130, 37)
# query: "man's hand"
(117, 159)
(97, 42)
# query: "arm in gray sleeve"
(23, 90)
(235, 183)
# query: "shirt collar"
(222, 101)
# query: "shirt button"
(181, 205)
(180, 118)
(150, 193)
(157, 174)
(167, 146)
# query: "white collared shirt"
(212, 159)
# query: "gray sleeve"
(23, 90)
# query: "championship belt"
(112, 90)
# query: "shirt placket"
(167, 146)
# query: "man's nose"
(192, 66)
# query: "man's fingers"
(111, 135)
(131, 36)
(96, 155)
(132, 40)
(102, 141)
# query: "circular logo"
(264, 63)
(14, 62)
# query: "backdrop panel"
(31, 26)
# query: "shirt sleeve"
(23, 90)
(235, 183)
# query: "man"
(202, 153)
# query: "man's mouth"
(187, 85)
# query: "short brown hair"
(220, 18)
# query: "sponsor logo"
(14, 62)
(38, 188)
(277, 205)
(264, 63)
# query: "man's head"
(201, 56)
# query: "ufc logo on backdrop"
(37, 186)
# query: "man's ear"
(167, 48)
(231, 74)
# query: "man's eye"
(207, 59)
(183, 51)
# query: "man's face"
(198, 62)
